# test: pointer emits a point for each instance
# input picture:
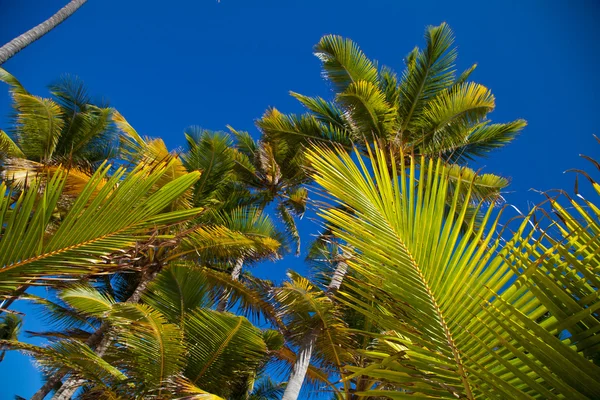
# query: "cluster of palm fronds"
(416, 293)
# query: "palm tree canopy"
(427, 110)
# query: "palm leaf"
(99, 223)
(223, 349)
(464, 317)
(343, 62)
(427, 73)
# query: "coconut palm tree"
(112, 214)
(215, 237)
(460, 316)
(273, 172)
(19, 43)
(67, 130)
(428, 111)
(171, 344)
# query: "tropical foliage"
(464, 315)
(421, 286)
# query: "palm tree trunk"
(235, 275)
(19, 43)
(98, 341)
(294, 384)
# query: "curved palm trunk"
(294, 384)
(235, 275)
(19, 43)
(98, 341)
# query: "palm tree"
(273, 171)
(460, 316)
(19, 43)
(216, 236)
(112, 214)
(68, 130)
(195, 346)
(428, 111)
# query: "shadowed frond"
(222, 349)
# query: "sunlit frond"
(485, 315)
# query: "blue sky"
(168, 65)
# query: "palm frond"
(222, 349)
(244, 232)
(99, 223)
(8, 148)
(466, 314)
(370, 112)
(427, 73)
(343, 62)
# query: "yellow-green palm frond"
(12, 82)
(306, 308)
(8, 148)
(466, 311)
(39, 126)
(428, 72)
(369, 111)
(222, 349)
(189, 391)
(99, 223)
(244, 232)
(343, 62)
(80, 359)
(482, 188)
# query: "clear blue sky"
(170, 64)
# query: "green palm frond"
(213, 155)
(100, 222)
(316, 378)
(250, 295)
(481, 139)
(299, 129)
(343, 62)
(12, 82)
(306, 308)
(244, 232)
(155, 348)
(81, 361)
(222, 349)
(466, 314)
(369, 110)
(290, 226)
(267, 389)
(39, 126)
(482, 187)
(8, 148)
(179, 289)
(464, 103)
(67, 129)
(428, 72)
(87, 300)
(329, 114)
